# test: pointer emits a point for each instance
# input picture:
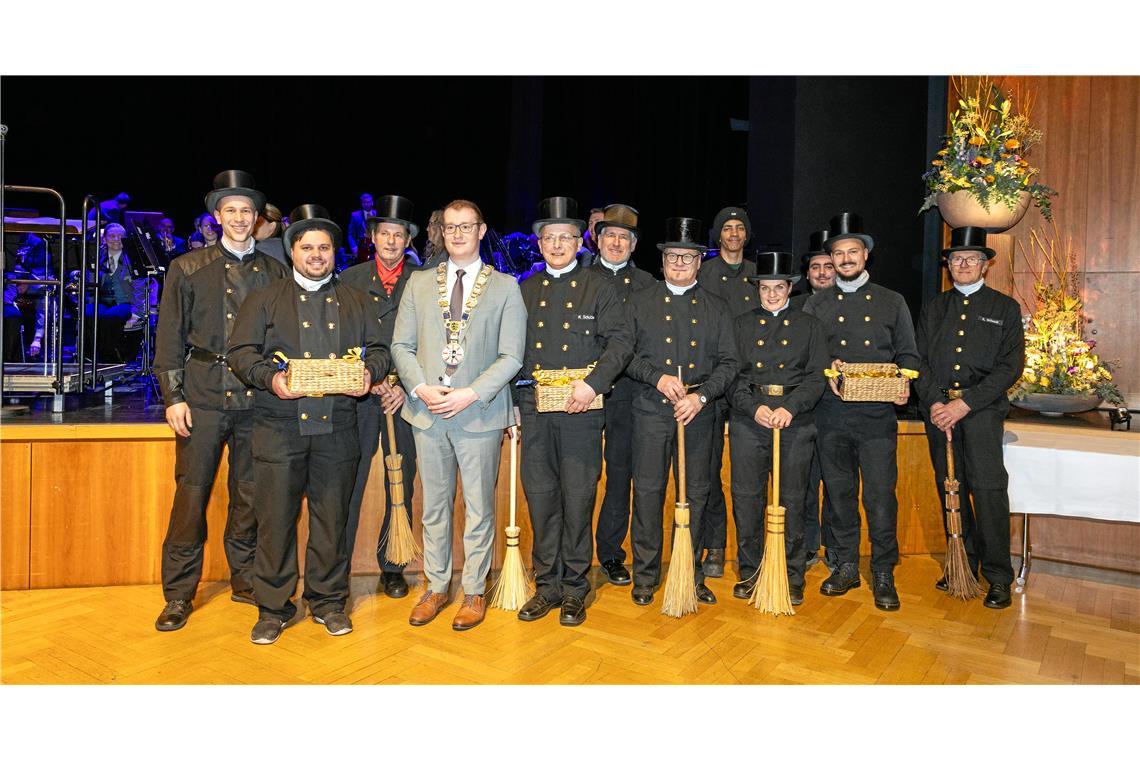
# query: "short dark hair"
(320, 225)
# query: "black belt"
(774, 390)
(953, 393)
(207, 356)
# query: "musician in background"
(120, 303)
(168, 241)
(358, 230)
(112, 210)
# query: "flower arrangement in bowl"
(1062, 374)
(983, 158)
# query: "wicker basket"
(320, 377)
(552, 388)
(870, 382)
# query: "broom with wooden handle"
(402, 547)
(514, 586)
(770, 594)
(960, 582)
(680, 583)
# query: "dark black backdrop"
(663, 144)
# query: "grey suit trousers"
(441, 449)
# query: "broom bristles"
(514, 586)
(680, 583)
(402, 547)
(960, 582)
(770, 594)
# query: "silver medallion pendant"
(452, 354)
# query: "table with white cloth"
(1071, 472)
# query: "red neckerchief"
(388, 277)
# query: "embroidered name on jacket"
(991, 321)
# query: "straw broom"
(514, 586)
(770, 594)
(680, 583)
(402, 547)
(960, 582)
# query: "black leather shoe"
(642, 595)
(883, 589)
(797, 595)
(998, 597)
(395, 586)
(243, 597)
(713, 566)
(705, 594)
(942, 584)
(573, 611)
(536, 607)
(616, 572)
(175, 613)
(743, 590)
(266, 631)
(841, 581)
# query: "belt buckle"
(953, 394)
(775, 390)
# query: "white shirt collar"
(306, 283)
(612, 267)
(564, 270)
(239, 254)
(969, 290)
(782, 308)
(677, 290)
(851, 287)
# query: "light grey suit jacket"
(493, 345)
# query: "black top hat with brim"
(234, 182)
(816, 247)
(731, 212)
(558, 210)
(847, 225)
(306, 217)
(774, 265)
(395, 209)
(617, 215)
(969, 239)
(683, 232)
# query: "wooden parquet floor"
(1062, 631)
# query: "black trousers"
(288, 466)
(860, 439)
(195, 467)
(653, 458)
(560, 465)
(983, 484)
(613, 516)
(714, 523)
(817, 512)
(751, 452)
(372, 436)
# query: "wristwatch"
(703, 399)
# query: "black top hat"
(683, 232)
(395, 209)
(969, 239)
(773, 265)
(558, 210)
(234, 182)
(847, 225)
(731, 212)
(816, 247)
(617, 215)
(306, 217)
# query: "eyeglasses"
(466, 228)
(684, 258)
(965, 262)
(558, 239)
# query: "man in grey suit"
(458, 340)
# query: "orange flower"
(1011, 144)
(936, 162)
(984, 161)
(977, 140)
(989, 179)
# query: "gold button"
(840, 296)
(228, 266)
(764, 321)
(780, 367)
(308, 355)
(256, 269)
(841, 319)
(324, 417)
(956, 385)
(668, 340)
(694, 302)
(542, 304)
(958, 350)
(569, 305)
(759, 365)
(573, 283)
(867, 318)
(375, 298)
(965, 301)
(229, 393)
(668, 317)
(230, 316)
(692, 366)
(843, 343)
(961, 333)
(784, 342)
(669, 362)
(866, 343)
(694, 321)
(587, 332)
(565, 325)
(545, 283)
(786, 323)
(304, 298)
(249, 393)
(541, 324)
(328, 300)
(332, 325)
(747, 298)
(759, 342)
(962, 316)
(538, 344)
(304, 415)
(565, 347)
(693, 343)
(668, 300)
(626, 280)
(304, 324)
(229, 290)
(724, 277)
(538, 366)
(868, 296)
(957, 367)
(332, 356)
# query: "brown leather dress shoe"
(470, 614)
(427, 608)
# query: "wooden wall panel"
(1114, 175)
(15, 514)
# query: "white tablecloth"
(1074, 472)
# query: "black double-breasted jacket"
(365, 278)
(973, 344)
(729, 284)
(789, 350)
(871, 324)
(204, 290)
(326, 323)
(688, 331)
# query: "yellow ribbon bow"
(354, 355)
(910, 373)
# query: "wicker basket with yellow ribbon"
(552, 388)
(870, 382)
(320, 377)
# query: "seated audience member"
(119, 302)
